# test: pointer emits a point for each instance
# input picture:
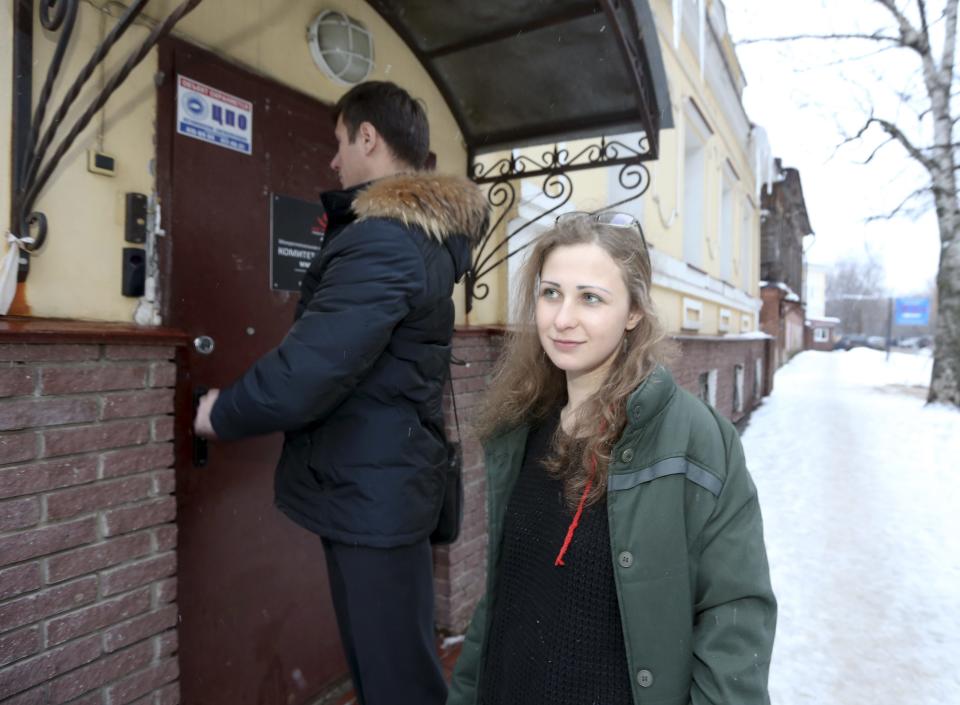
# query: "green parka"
(690, 565)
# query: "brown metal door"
(256, 621)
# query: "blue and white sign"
(912, 311)
(207, 114)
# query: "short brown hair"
(396, 115)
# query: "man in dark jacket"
(357, 385)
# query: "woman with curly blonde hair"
(626, 561)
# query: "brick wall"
(699, 354)
(87, 533)
(460, 568)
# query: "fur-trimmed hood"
(442, 205)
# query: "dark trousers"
(383, 598)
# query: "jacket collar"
(338, 206)
(441, 205)
(651, 397)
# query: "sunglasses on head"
(614, 219)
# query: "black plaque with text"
(296, 234)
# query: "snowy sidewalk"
(859, 484)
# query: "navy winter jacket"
(357, 382)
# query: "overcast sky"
(809, 95)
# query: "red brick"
(40, 542)
(163, 374)
(139, 352)
(140, 573)
(26, 674)
(114, 434)
(140, 628)
(25, 352)
(167, 644)
(17, 447)
(166, 537)
(95, 698)
(17, 381)
(40, 605)
(37, 696)
(20, 644)
(167, 590)
(163, 429)
(102, 614)
(138, 684)
(133, 460)
(19, 513)
(100, 495)
(32, 413)
(19, 579)
(96, 557)
(164, 482)
(476, 369)
(468, 384)
(99, 673)
(140, 516)
(169, 695)
(91, 378)
(40, 477)
(148, 402)
(474, 353)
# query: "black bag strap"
(453, 394)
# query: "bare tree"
(856, 295)
(910, 31)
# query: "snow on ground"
(859, 484)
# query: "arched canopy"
(523, 72)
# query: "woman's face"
(583, 310)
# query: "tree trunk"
(945, 382)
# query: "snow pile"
(859, 482)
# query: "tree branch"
(950, 39)
(876, 37)
(877, 149)
(909, 36)
(896, 211)
(897, 134)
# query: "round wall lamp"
(341, 47)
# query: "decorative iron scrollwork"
(558, 160)
(36, 167)
(555, 164)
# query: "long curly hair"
(527, 386)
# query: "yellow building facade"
(77, 273)
(700, 209)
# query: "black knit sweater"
(556, 636)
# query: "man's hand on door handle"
(201, 423)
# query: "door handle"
(199, 444)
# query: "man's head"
(381, 130)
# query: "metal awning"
(523, 72)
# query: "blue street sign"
(912, 311)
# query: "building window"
(757, 378)
(708, 387)
(727, 181)
(696, 133)
(746, 238)
(726, 315)
(738, 388)
(746, 323)
(692, 314)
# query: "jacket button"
(644, 678)
(625, 559)
(627, 455)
